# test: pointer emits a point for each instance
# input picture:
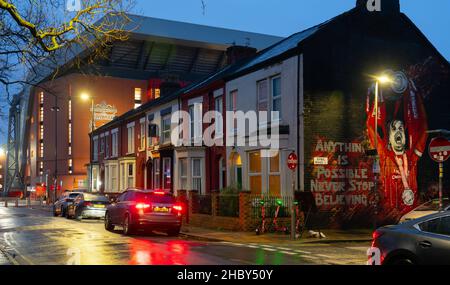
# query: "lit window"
(137, 97)
(156, 93)
(70, 163)
(274, 176)
(254, 172)
(167, 177)
(41, 168)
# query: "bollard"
(17, 203)
(6, 203)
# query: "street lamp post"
(56, 109)
(376, 169)
(87, 97)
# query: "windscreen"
(155, 198)
(433, 205)
(92, 197)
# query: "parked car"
(145, 209)
(431, 207)
(89, 206)
(60, 206)
(423, 241)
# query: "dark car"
(424, 241)
(141, 209)
(61, 205)
(89, 206)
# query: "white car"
(431, 207)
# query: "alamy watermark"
(73, 5)
(374, 5)
(242, 129)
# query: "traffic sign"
(292, 161)
(440, 149)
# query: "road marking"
(323, 255)
(289, 252)
(302, 251)
(359, 248)
(6, 239)
(269, 249)
(311, 257)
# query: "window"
(167, 177)
(276, 98)
(95, 149)
(122, 177)
(102, 145)
(70, 165)
(69, 150)
(94, 179)
(130, 175)
(232, 106)
(113, 177)
(107, 148)
(137, 97)
(142, 135)
(130, 139)
(183, 174)
(197, 175)
(254, 172)
(165, 128)
(115, 143)
(156, 93)
(41, 168)
(437, 226)
(192, 122)
(219, 123)
(262, 96)
(157, 173)
(274, 176)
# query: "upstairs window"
(137, 97)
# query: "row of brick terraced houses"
(318, 81)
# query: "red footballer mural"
(401, 140)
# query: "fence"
(271, 205)
(228, 206)
(201, 204)
(240, 212)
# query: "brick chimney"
(386, 6)
(237, 53)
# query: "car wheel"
(54, 212)
(63, 212)
(78, 217)
(128, 228)
(108, 225)
(173, 232)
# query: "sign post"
(292, 163)
(440, 152)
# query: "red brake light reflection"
(178, 208)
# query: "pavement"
(331, 236)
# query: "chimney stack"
(237, 53)
(385, 6)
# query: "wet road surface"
(34, 236)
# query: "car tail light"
(142, 206)
(178, 207)
(377, 234)
(88, 204)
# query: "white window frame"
(164, 132)
(143, 133)
(278, 97)
(218, 107)
(197, 177)
(130, 138)
(254, 174)
(183, 177)
(95, 148)
(115, 143)
(164, 162)
(157, 173)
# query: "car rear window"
(154, 198)
(91, 197)
(73, 195)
